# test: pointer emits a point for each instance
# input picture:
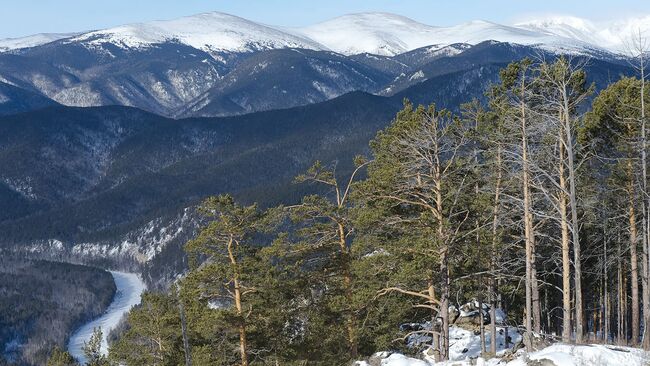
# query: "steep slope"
(115, 182)
(15, 100)
(470, 58)
(159, 79)
(95, 174)
(176, 80)
(411, 60)
(285, 78)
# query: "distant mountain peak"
(378, 33)
(32, 41)
(613, 35)
(555, 20)
(214, 31)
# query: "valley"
(42, 302)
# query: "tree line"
(43, 302)
(534, 201)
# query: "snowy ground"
(588, 355)
(465, 348)
(129, 289)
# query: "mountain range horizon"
(380, 33)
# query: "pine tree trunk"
(537, 313)
(634, 260)
(566, 260)
(481, 318)
(606, 310)
(444, 266)
(444, 303)
(493, 328)
(436, 345)
(186, 344)
(495, 254)
(620, 316)
(238, 304)
(347, 281)
(645, 297)
(608, 315)
(528, 228)
(626, 319)
(646, 214)
(575, 226)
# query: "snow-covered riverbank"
(129, 290)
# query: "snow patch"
(22, 186)
(416, 76)
(559, 354)
(595, 355)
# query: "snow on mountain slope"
(376, 33)
(389, 34)
(614, 35)
(208, 31)
(32, 41)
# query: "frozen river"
(129, 289)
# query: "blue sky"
(23, 17)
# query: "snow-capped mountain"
(9, 44)
(613, 35)
(374, 33)
(389, 34)
(215, 64)
(208, 32)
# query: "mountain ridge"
(369, 32)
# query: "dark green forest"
(532, 200)
(41, 304)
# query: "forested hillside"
(42, 302)
(117, 185)
(532, 205)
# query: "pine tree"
(318, 255)
(491, 138)
(414, 187)
(327, 222)
(227, 274)
(153, 333)
(562, 89)
(516, 80)
(61, 358)
(93, 349)
(613, 130)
